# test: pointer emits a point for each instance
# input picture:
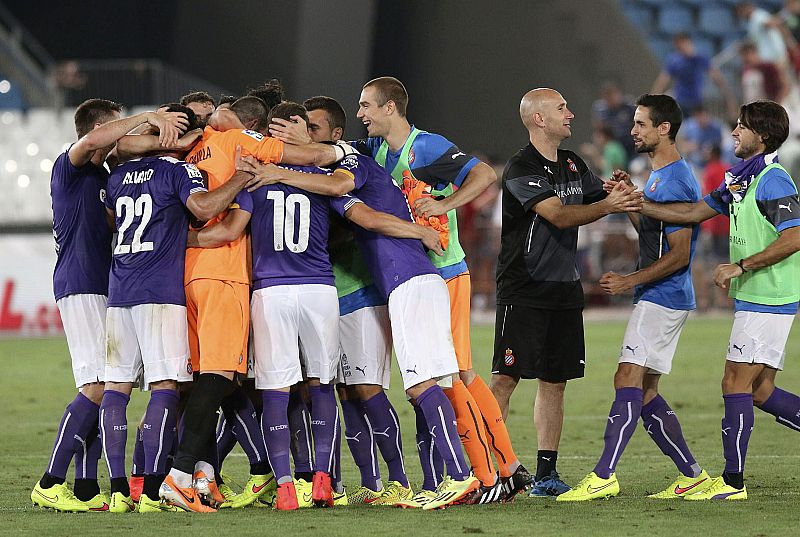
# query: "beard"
(645, 148)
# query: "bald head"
(545, 114)
(536, 101)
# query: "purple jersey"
(390, 261)
(80, 228)
(148, 196)
(289, 230)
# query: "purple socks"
(429, 458)
(114, 430)
(275, 430)
(385, 426)
(785, 407)
(622, 418)
(158, 430)
(300, 427)
(77, 423)
(441, 421)
(736, 428)
(662, 425)
(324, 425)
(362, 445)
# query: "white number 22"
(141, 207)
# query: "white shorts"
(419, 310)
(652, 336)
(366, 341)
(759, 338)
(287, 318)
(84, 320)
(147, 343)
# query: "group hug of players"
(321, 299)
(180, 307)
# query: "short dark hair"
(271, 92)
(227, 99)
(93, 111)
(336, 115)
(769, 120)
(390, 89)
(190, 115)
(286, 110)
(663, 109)
(249, 108)
(197, 97)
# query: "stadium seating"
(674, 19)
(716, 20)
(29, 143)
(712, 23)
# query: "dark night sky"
(116, 29)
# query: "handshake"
(623, 196)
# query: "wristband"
(741, 265)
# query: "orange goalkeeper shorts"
(219, 320)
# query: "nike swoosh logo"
(258, 489)
(186, 498)
(679, 490)
(54, 499)
(103, 508)
(592, 490)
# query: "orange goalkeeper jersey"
(215, 154)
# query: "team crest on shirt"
(411, 156)
(103, 195)
(655, 184)
(572, 167)
(509, 359)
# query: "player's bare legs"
(502, 387)
(548, 414)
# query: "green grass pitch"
(37, 385)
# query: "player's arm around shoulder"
(386, 224)
(223, 232)
(205, 205)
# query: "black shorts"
(533, 343)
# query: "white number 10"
(284, 214)
(143, 207)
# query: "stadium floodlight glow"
(23, 181)
(11, 166)
(5, 86)
(7, 118)
(32, 149)
(46, 165)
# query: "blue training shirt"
(672, 183)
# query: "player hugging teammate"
(261, 265)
